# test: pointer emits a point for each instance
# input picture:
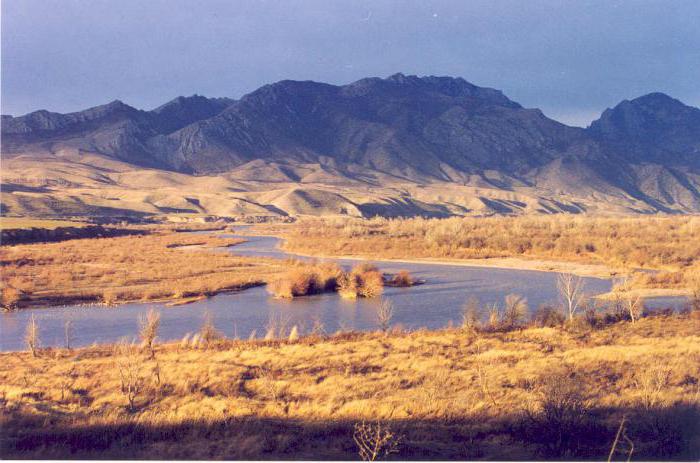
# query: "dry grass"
(113, 270)
(668, 244)
(538, 393)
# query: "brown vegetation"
(363, 280)
(303, 279)
(113, 270)
(670, 245)
(533, 393)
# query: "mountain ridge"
(398, 130)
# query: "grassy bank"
(668, 245)
(531, 393)
(130, 268)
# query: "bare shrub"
(66, 380)
(494, 320)
(129, 365)
(371, 281)
(470, 315)
(31, 336)
(483, 377)
(514, 312)
(375, 440)
(650, 383)
(385, 313)
(269, 384)
(208, 333)
(276, 326)
(571, 290)
(547, 316)
(148, 330)
(559, 413)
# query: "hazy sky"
(570, 58)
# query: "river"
(435, 304)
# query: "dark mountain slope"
(406, 126)
(652, 128)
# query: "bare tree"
(374, 440)
(385, 312)
(31, 336)
(68, 333)
(571, 290)
(148, 330)
(634, 306)
(128, 364)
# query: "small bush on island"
(403, 279)
(306, 279)
(363, 280)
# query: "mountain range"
(399, 146)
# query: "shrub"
(385, 312)
(559, 414)
(375, 440)
(208, 333)
(402, 279)
(10, 297)
(470, 315)
(514, 312)
(364, 280)
(131, 377)
(547, 316)
(148, 330)
(371, 284)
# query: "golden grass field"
(528, 393)
(623, 245)
(128, 268)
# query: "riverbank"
(446, 394)
(650, 253)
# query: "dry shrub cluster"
(363, 280)
(113, 270)
(303, 279)
(669, 244)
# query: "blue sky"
(570, 58)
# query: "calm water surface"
(435, 304)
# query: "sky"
(570, 58)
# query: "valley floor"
(535, 393)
